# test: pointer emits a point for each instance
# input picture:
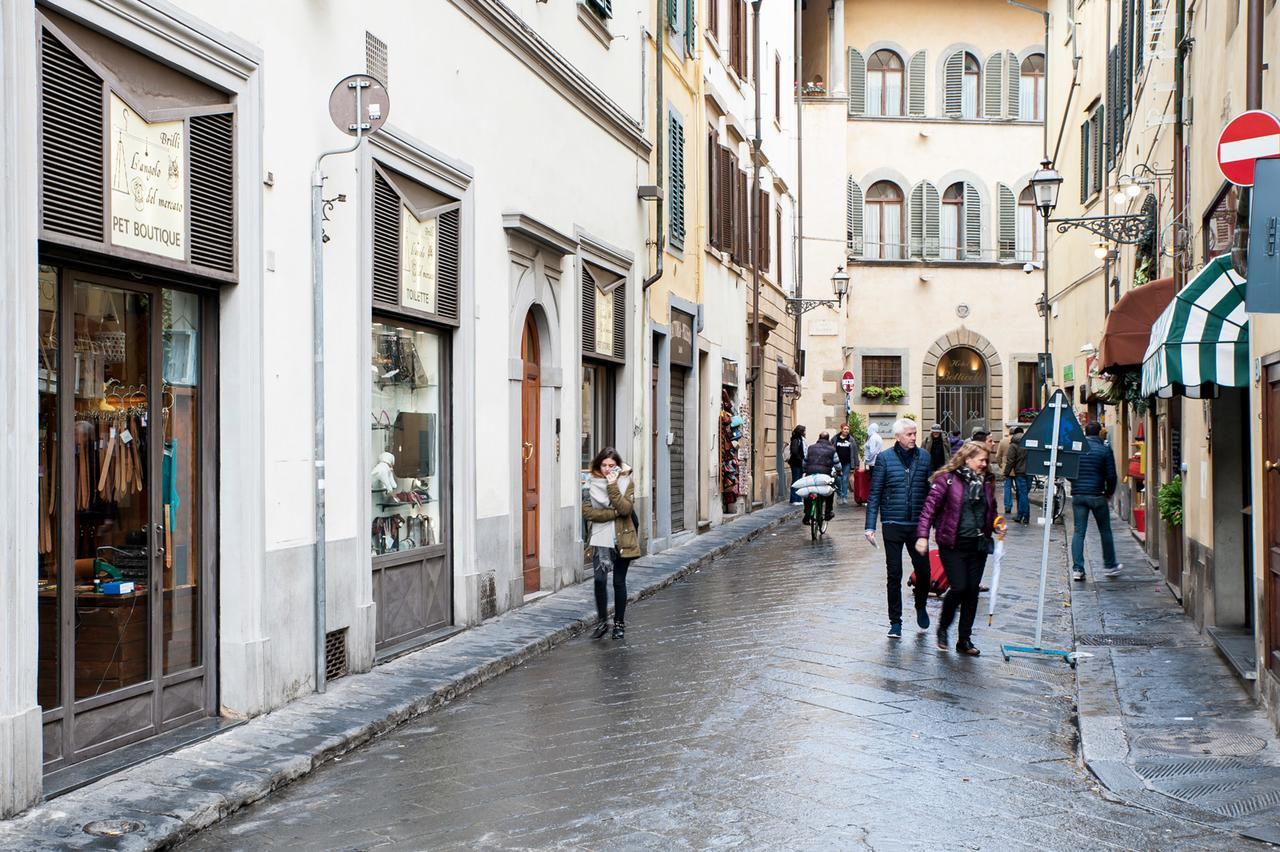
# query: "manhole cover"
(1215, 743)
(1135, 639)
(112, 827)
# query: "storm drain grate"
(1177, 769)
(1144, 640)
(335, 654)
(1201, 741)
(1253, 804)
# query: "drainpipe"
(1253, 100)
(1180, 234)
(1106, 173)
(646, 335)
(754, 248)
(319, 570)
(799, 241)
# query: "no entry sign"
(846, 382)
(1247, 138)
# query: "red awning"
(1128, 329)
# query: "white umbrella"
(996, 557)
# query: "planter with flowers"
(1026, 415)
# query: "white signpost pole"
(1048, 516)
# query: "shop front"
(416, 247)
(137, 236)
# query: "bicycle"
(1059, 494)
(815, 514)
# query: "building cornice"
(509, 30)
(539, 233)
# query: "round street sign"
(846, 382)
(1247, 138)
(369, 115)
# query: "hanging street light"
(839, 286)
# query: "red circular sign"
(1247, 138)
(846, 382)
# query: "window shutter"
(212, 177)
(449, 265)
(932, 221)
(728, 168)
(588, 310)
(673, 14)
(71, 169)
(1100, 157)
(1008, 222)
(972, 223)
(917, 72)
(386, 242)
(1139, 44)
(620, 321)
(1111, 105)
(713, 191)
(602, 7)
(857, 82)
(953, 73)
(915, 222)
(1126, 64)
(690, 25)
(853, 218)
(1013, 86)
(676, 193)
(993, 83)
(764, 255)
(1084, 162)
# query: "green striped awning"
(1202, 338)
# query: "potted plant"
(1026, 415)
(857, 428)
(872, 391)
(1169, 501)
(894, 394)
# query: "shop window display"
(406, 439)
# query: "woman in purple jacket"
(961, 509)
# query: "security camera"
(1030, 267)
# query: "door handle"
(159, 546)
(528, 450)
(1269, 466)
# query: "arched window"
(953, 222)
(884, 83)
(883, 223)
(1030, 228)
(971, 86)
(1031, 92)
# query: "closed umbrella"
(996, 557)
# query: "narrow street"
(757, 704)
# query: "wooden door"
(1271, 511)
(529, 413)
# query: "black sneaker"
(619, 630)
(601, 629)
(895, 631)
(922, 618)
(943, 643)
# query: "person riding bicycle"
(821, 457)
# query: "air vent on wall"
(71, 126)
(375, 58)
(335, 654)
(212, 192)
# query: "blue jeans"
(1008, 495)
(842, 484)
(1082, 506)
(1023, 485)
(796, 473)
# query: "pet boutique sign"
(148, 183)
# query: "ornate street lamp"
(839, 286)
(1045, 184)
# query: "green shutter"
(932, 221)
(1013, 85)
(917, 73)
(915, 222)
(993, 86)
(953, 97)
(1084, 161)
(1008, 222)
(972, 223)
(1101, 161)
(603, 8)
(676, 193)
(853, 218)
(857, 82)
(673, 15)
(690, 25)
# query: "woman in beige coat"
(607, 507)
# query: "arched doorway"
(531, 387)
(961, 390)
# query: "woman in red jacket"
(961, 509)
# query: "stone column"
(839, 60)
(20, 737)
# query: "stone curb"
(176, 795)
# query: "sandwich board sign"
(1040, 439)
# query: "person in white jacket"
(873, 446)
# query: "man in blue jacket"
(899, 483)
(1094, 483)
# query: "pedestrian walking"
(1015, 467)
(1092, 487)
(608, 502)
(847, 452)
(795, 457)
(956, 441)
(961, 510)
(1002, 452)
(821, 457)
(899, 483)
(938, 447)
(862, 478)
(988, 442)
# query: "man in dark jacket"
(822, 458)
(899, 484)
(1015, 468)
(1094, 483)
(847, 451)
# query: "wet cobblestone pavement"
(756, 704)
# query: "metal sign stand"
(1005, 650)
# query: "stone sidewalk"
(1165, 723)
(173, 796)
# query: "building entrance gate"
(962, 391)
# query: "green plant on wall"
(1169, 501)
(872, 391)
(894, 394)
(1142, 274)
(858, 429)
(912, 416)
(1126, 387)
